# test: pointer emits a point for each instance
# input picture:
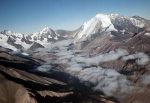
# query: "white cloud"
(145, 79)
(108, 81)
(148, 34)
(44, 68)
(140, 57)
(95, 60)
(17, 52)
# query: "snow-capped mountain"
(44, 35)
(111, 22)
(116, 26)
(16, 41)
(100, 21)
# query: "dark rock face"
(35, 46)
(61, 38)
(26, 40)
(121, 23)
(63, 32)
(11, 42)
(28, 37)
(51, 40)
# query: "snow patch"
(56, 38)
(148, 34)
(26, 46)
(3, 42)
(136, 22)
(122, 31)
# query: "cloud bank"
(86, 68)
(108, 81)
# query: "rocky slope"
(21, 84)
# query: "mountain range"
(106, 60)
(113, 24)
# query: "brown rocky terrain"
(20, 85)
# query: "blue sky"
(29, 16)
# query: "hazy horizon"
(30, 16)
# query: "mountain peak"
(105, 22)
(101, 21)
(104, 15)
(46, 29)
